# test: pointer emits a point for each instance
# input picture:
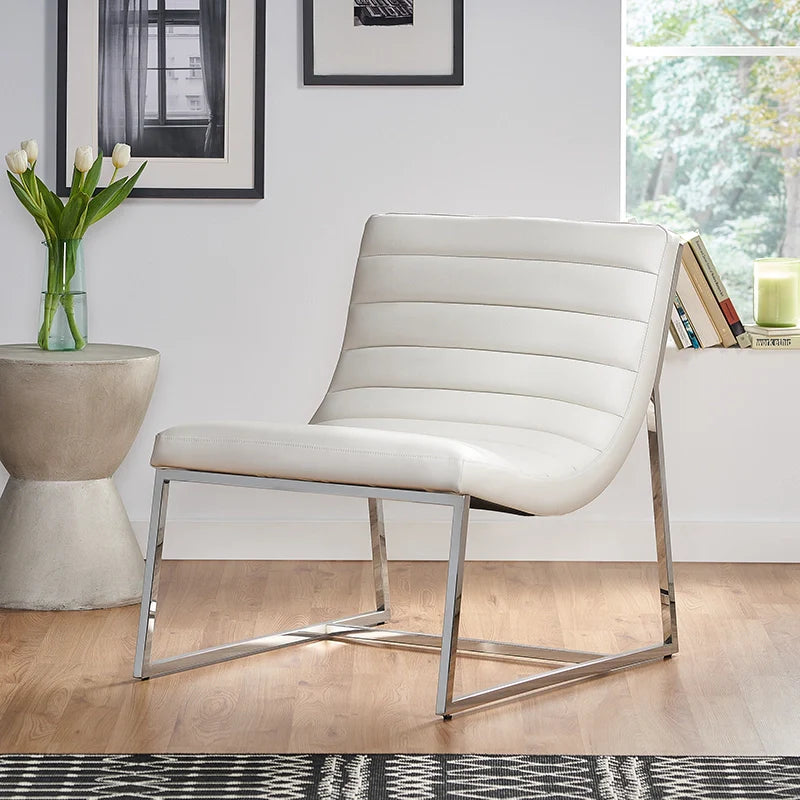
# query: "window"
(713, 127)
(175, 93)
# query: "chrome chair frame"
(363, 627)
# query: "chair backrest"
(534, 323)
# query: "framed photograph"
(394, 42)
(180, 81)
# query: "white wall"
(246, 299)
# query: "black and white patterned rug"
(396, 777)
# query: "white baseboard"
(541, 539)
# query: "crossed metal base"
(367, 628)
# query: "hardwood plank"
(66, 685)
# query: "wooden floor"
(734, 688)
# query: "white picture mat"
(232, 172)
(343, 48)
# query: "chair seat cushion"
(520, 468)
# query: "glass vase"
(63, 315)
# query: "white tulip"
(121, 155)
(17, 161)
(84, 158)
(31, 148)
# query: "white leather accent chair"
(499, 363)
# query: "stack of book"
(774, 338)
(703, 314)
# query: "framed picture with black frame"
(384, 42)
(181, 81)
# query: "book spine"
(700, 282)
(720, 293)
(695, 342)
(760, 342)
(678, 331)
(704, 328)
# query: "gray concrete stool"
(67, 419)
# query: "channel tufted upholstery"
(508, 359)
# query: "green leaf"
(93, 175)
(52, 204)
(80, 229)
(104, 196)
(29, 179)
(37, 196)
(25, 198)
(40, 218)
(76, 183)
(72, 214)
(105, 202)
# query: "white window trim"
(722, 50)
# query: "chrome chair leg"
(452, 605)
(586, 665)
(666, 582)
(145, 667)
(152, 574)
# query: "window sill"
(673, 351)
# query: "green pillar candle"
(785, 263)
(775, 294)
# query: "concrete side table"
(67, 419)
